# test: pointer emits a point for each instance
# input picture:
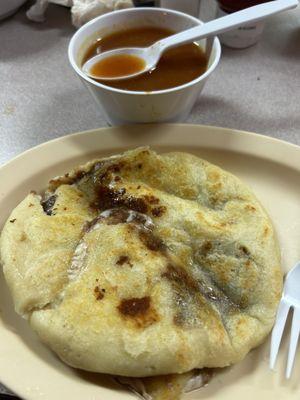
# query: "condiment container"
(244, 36)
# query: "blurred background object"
(244, 36)
(191, 7)
(82, 11)
(94, 8)
(37, 11)
(85, 10)
(8, 7)
(146, 3)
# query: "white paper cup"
(243, 36)
(125, 107)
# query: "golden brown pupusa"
(144, 264)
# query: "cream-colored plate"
(269, 166)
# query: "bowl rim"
(78, 70)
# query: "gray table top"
(255, 89)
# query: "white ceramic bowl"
(122, 106)
(8, 7)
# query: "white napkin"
(36, 12)
(81, 10)
(85, 10)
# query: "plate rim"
(220, 129)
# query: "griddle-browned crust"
(144, 264)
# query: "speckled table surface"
(255, 89)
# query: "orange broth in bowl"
(176, 67)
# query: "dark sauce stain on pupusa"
(48, 204)
(123, 260)
(135, 306)
(139, 312)
(108, 198)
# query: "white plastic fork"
(290, 298)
